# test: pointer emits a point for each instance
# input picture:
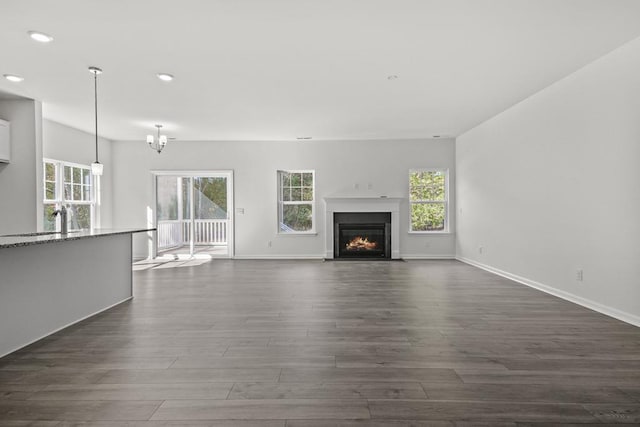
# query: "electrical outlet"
(579, 275)
(356, 186)
(369, 186)
(480, 250)
(269, 243)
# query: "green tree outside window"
(295, 201)
(428, 199)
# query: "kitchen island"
(49, 281)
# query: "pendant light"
(158, 144)
(96, 167)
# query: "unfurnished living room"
(319, 213)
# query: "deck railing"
(169, 234)
(177, 233)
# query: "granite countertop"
(26, 239)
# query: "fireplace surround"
(387, 205)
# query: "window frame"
(445, 202)
(60, 199)
(56, 180)
(73, 183)
(281, 203)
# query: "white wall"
(68, 144)
(552, 185)
(338, 165)
(20, 188)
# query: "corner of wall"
(526, 180)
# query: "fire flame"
(360, 243)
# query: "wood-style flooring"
(315, 344)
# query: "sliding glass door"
(194, 214)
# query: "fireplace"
(347, 205)
(362, 235)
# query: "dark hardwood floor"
(311, 343)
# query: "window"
(70, 185)
(50, 194)
(429, 199)
(296, 200)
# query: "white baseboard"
(595, 306)
(418, 257)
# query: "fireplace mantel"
(363, 204)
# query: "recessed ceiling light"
(303, 138)
(40, 37)
(165, 77)
(13, 78)
(392, 77)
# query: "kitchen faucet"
(63, 218)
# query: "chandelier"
(157, 144)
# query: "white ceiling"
(279, 69)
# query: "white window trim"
(59, 196)
(446, 202)
(281, 203)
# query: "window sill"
(429, 232)
(299, 233)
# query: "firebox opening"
(362, 235)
